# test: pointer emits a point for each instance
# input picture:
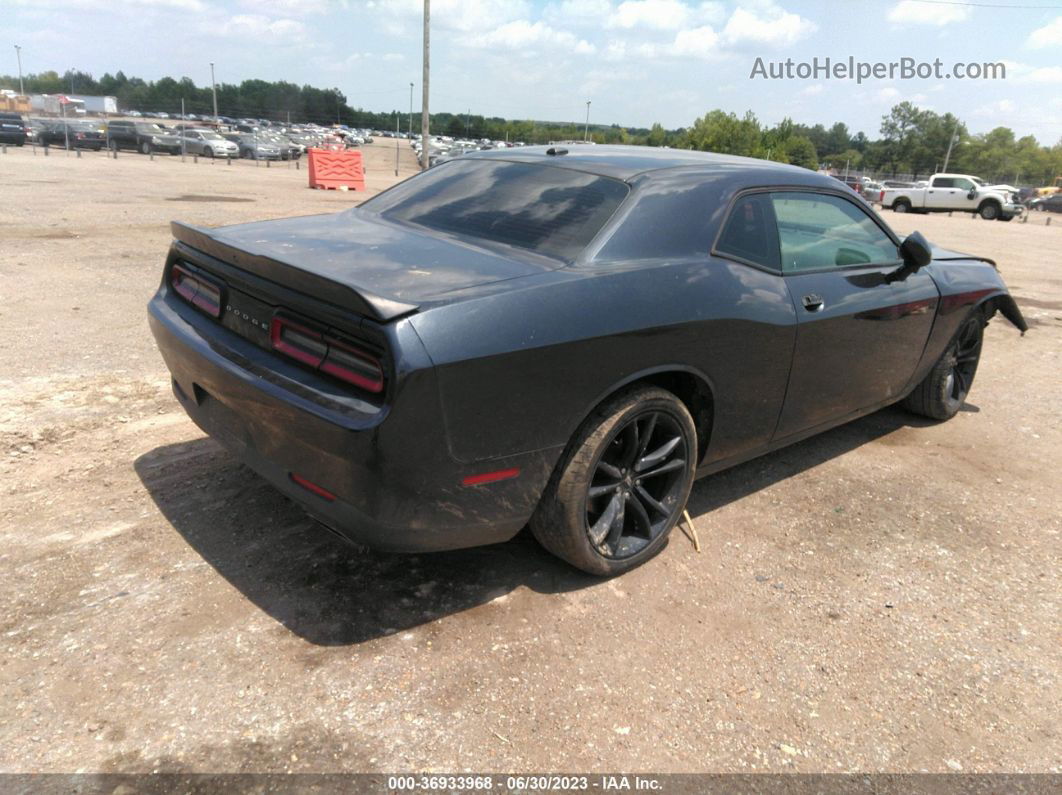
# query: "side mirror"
(916, 251)
(972, 194)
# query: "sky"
(636, 61)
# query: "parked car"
(145, 137)
(12, 129)
(871, 190)
(209, 144)
(289, 150)
(34, 127)
(956, 193)
(894, 183)
(254, 147)
(560, 339)
(72, 135)
(1048, 204)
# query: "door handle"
(813, 302)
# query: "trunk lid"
(358, 261)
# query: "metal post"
(586, 129)
(182, 131)
(66, 127)
(951, 140)
(396, 142)
(214, 91)
(424, 118)
(409, 130)
(21, 87)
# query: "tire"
(942, 392)
(113, 146)
(989, 211)
(145, 148)
(209, 152)
(621, 484)
(901, 206)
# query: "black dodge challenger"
(560, 338)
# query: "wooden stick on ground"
(692, 534)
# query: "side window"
(944, 182)
(965, 184)
(817, 230)
(749, 231)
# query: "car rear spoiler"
(291, 275)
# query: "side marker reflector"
(490, 477)
(311, 487)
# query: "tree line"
(912, 141)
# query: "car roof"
(627, 162)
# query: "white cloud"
(654, 14)
(663, 14)
(1050, 35)
(522, 34)
(812, 90)
(180, 5)
(284, 8)
(1045, 74)
(914, 13)
(772, 26)
(995, 109)
(258, 28)
(702, 42)
(887, 94)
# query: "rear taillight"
(338, 358)
(196, 290)
(881, 196)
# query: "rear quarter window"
(549, 210)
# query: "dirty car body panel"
(484, 308)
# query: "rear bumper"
(394, 483)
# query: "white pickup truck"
(955, 193)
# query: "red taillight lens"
(196, 290)
(353, 366)
(881, 196)
(297, 341)
(338, 358)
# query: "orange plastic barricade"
(331, 169)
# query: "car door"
(962, 199)
(862, 323)
(942, 194)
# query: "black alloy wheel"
(621, 484)
(965, 354)
(946, 387)
(636, 486)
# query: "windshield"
(212, 136)
(552, 211)
(151, 128)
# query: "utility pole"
(468, 120)
(409, 130)
(951, 140)
(214, 91)
(18, 54)
(397, 128)
(586, 130)
(424, 117)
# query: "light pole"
(214, 91)
(586, 130)
(951, 140)
(18, 54)
(409, 130)
(425, 118)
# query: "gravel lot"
(884, 597)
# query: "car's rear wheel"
(942, 392)
(145, 148)
(901, 206)
(621, 485)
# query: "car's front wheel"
(942, 392)
(621, 485)
(145, 148)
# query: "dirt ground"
(884, 597)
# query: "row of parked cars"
(241, 139)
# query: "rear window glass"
(548, 210)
